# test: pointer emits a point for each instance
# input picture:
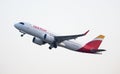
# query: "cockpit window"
(22, 23)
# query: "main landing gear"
(53, 45)
(50, 48)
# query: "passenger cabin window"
(22, 23)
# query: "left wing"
(63, 38)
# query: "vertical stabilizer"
(92, 46)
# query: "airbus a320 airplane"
(42, 36)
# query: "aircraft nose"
(16, 26)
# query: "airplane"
(42, 36)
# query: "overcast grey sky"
(20, 56)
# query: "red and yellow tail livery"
(92, 46)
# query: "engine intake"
(38, 41)
(48, 38)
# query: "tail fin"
(92, 46)
(95, 43)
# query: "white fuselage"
(39, 32)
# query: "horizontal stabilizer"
(97, 50)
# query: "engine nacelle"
(38, 41)
(49, 38)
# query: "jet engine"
(48, 38)
(38, 41)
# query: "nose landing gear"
(22, 34)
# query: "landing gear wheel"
(50, 48)
(22, 34)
